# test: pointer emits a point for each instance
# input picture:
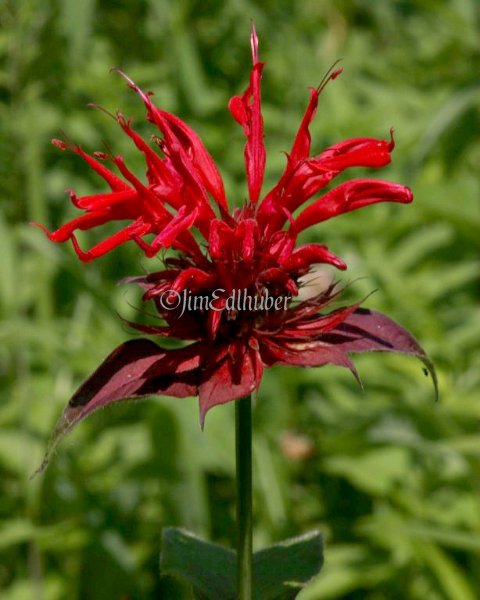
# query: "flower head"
(248, 255)
(184, 190)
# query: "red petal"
(220, 239)
(106, 201)
(158, 173)
(355, 152)
(247, 232)
(214, 320)
(246, 110)
(115, 183)
(314, 174)
(84, 222)
(201, 158)
(281, 245)
(351, 196)
(301, 146)
(150, 204)
(169, 234)
(288, 185)
(193, 279)
(186, 150)
(310, 254)
(130, 232)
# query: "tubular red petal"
(301, 145)
(138, 228)
(192, 279)
(116, 184)
(186, 150)
(247, 232)
(157, 173)
(246, 110)
(281, 245)
(84, 222)
(150, 202)
(355, 152)
(351, 196)
(309, 254)
(315, 173)
(179, 224)
(201, 158)
(214, 319)
(299, 152)
(105, 201)
(300, 184)
(219, 239)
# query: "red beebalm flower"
(217, 299)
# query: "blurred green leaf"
(279, 571)
(209, 568)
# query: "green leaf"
(280, 571)
(209, 568)
(296, 560)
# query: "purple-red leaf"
(368, 331)
(235, 375)
(135, 369)
(362, 331)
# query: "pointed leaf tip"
(135, 369)
(368, 331)
(62, 427)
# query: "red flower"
(217, 299)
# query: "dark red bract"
(249, 255)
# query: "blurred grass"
(391, 479)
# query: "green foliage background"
(392, 480)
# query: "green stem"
(243, 447)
